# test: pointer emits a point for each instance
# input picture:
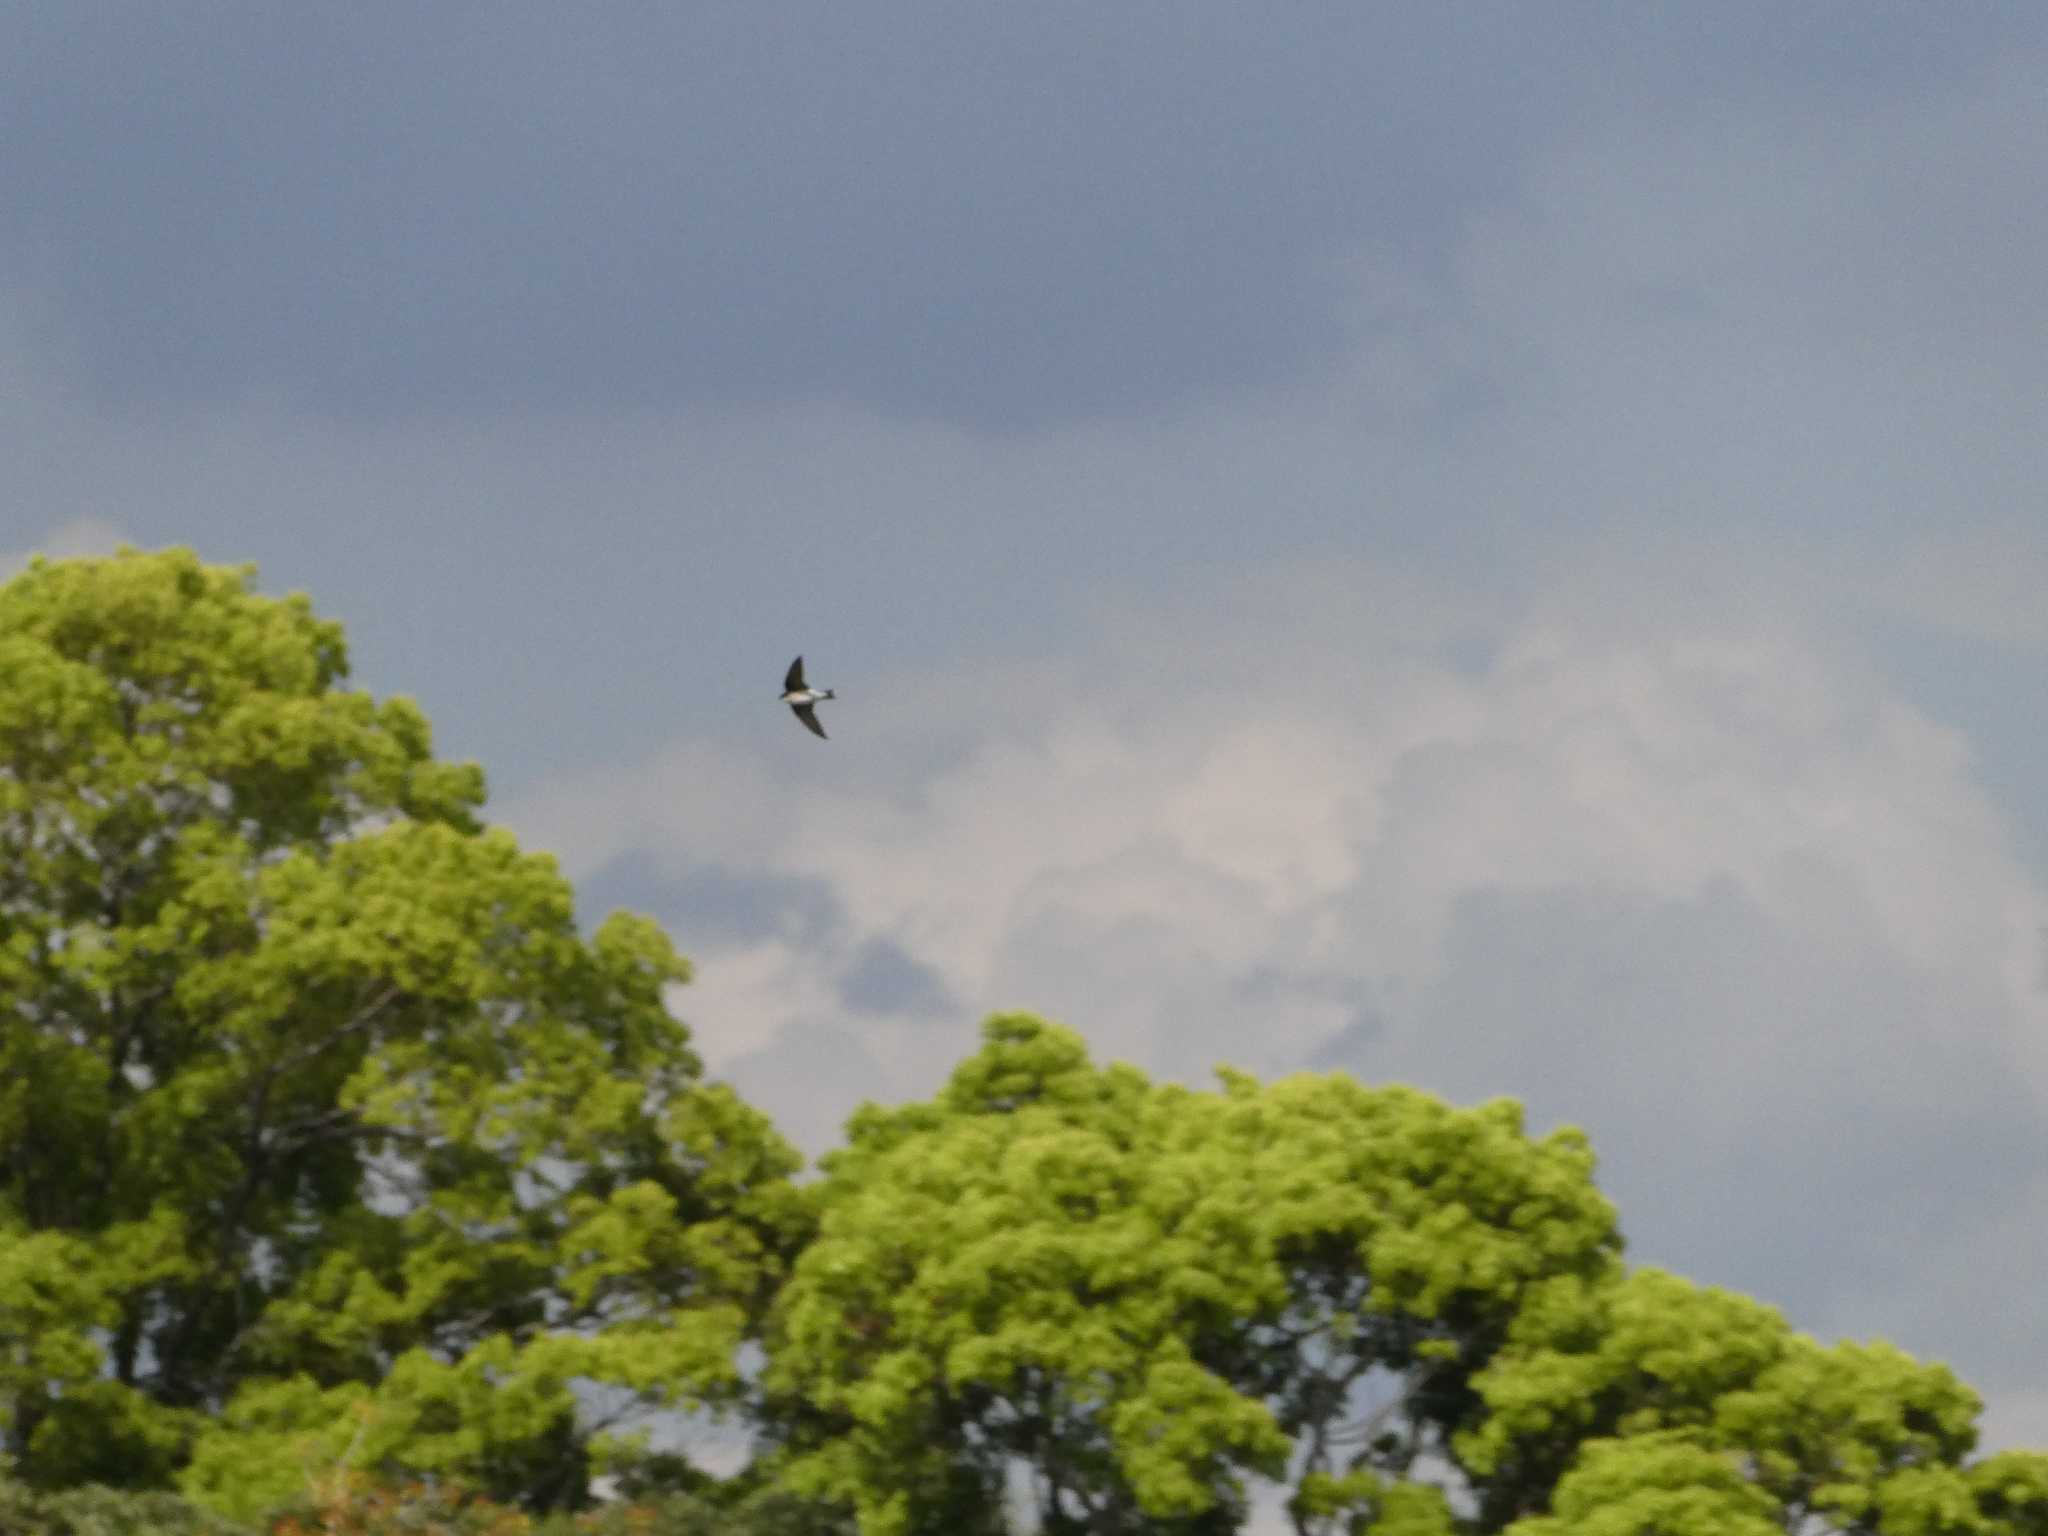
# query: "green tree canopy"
(1146, 1296)
(1666, 1406)
(324, 1131)
(1139, 1300)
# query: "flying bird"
(801, 698)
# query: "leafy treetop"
(323, 1128)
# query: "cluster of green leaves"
(1150, 1296)
(95, 1511)
(342, 1176)
(325, 1134)
(1412, 1317)
(1649, 1403)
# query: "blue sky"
(1507, 556)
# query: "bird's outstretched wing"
(795, 680)
(809, 716)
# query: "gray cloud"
(1001, 217)
(809, 1078)
(1857, 422)
(883, 978)
(1778, 1111)
(710, 904)
(1979, 685)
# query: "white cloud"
(1709, 889)
(1562, 769)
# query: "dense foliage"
(346, 1504)
(1150, 1295)
(346, 1185)
(322, 1128)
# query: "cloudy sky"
(1502, 554)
